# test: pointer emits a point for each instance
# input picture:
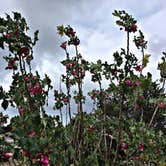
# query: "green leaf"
(1, 44)
(5, 104)
(60, 30)
(146, 60)
(17, 16)
(36, 37)
(120, 23)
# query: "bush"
(126, 126)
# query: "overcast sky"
(95, 26)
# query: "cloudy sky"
(95, 26)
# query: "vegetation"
(126, 126)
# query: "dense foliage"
(126, 126)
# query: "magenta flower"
(26, 153)
(142, 97)
(27, 79)
(74, 73)
(32, 134)
(138, 68)
(92, 97)
(141, 147)
(133, 27)
(128, 82)
(137, 158)
(42, 159)
(12, 64)
(34, 78)
(124, 145)
(21, 110)
(73, 63)
(16, 33)
(66, 100)
(137, 82)
(38, 88)
(32, 90)
(160, 105)
(24, 50)
(68, 66)
(7, 36)
(63, 45)
(70, 32)
(45, 160)
(8, 154)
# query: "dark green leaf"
(5, 104)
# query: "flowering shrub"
(126, 126)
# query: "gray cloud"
(92, 20)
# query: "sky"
(95, 26)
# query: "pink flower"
(138, 68)
(66, 100)
(74, 63)
(21, 110)
(8, 154)
(160, 105)
(16, 33)
(42, 159)
(70, 32)
(12, 64)
(140, 42)
(97, 92)
(74, 73)
(137, 158)
(31, 90)
(141, 147)
(92, 97)
(63, 45)
(32, 134)
(68, 66)
(45, 160)
(26, 153)
(7, 36)
(124, 145)
(133, 28)
(34, 78)
(24, 50)
(142, 97)
(128, 82)
(137, 82)
(38, 88)
(27, 79)
(137, 106)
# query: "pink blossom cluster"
(40, 158)
(36, 89)
(12, 63)
(130, 83)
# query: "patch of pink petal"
(8, 154)
(160, 105)
(32, 134)
(128, 82)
